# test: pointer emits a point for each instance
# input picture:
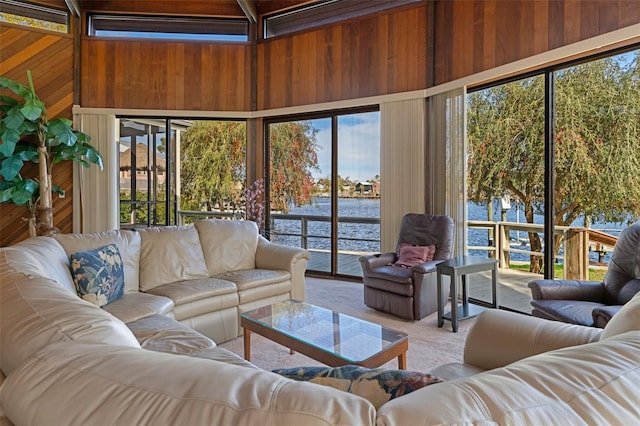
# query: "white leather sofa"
(69, 362)
(138, 360)
(521, 370)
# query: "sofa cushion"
(228, 245)
(378, 385)
(128, 243)
(133, 306)
(160, 333)
(250, 278)
(182, 292)
(36, 312)
(88, 384)
(590, 384)
(98, 274)
(627, 319)
(40, 257)
(170, 254)
(572, 312)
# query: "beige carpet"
(429, 346)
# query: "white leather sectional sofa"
(137, 361)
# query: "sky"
(358, 146)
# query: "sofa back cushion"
(35, 312)
(128, 243)
(627, 319)
(40, 257)
(229, 245)
(170, 254)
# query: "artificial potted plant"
(27, 135)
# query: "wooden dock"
(513, 292)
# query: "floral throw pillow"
(98, 274)
(377, 385)
(410, 255)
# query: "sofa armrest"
(498, 338)
(371, 261)
(285, 258)
(603, 314)
(546, 289)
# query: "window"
(34, 16)
(165, 27)
(324, 188)
(174, 171)
(553, 156)
(323, 12)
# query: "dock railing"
(576, 243)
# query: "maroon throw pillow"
(410, 255)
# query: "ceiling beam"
(74, 7)
(249, 9)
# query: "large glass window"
(554, 171)
(174, 171)
(324, 188)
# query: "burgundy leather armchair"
(409, 293)
(593, 303)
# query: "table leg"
(402, 361)
(454, 302)
(440, 306)
(247, 344)
(494, 284)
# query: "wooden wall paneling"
(166, 75)
(539, 39)
(628, 13)
(516, 29)
(49, 56)
(379, 54)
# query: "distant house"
(364, 187)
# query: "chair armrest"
(285, 258)
(602, 315)
(371, 261)
(426, 267)
(498, 338)
(545, 289)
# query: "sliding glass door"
(324, 188)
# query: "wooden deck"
(513, 292)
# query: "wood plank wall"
(49, 56)
(382, 54)
(165, 75)
(477, 35)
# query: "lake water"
(354, 236)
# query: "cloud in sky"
(358, 146)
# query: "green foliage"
(213, 164)
(26, 135)
(597, 140)
(293, 155)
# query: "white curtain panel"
(447, 150)
(96, 201)
(402, 165)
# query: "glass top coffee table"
(327, 336)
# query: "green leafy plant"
(27, 135)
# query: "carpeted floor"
(429, 346)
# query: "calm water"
(351, 235)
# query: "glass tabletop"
(344, 336)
